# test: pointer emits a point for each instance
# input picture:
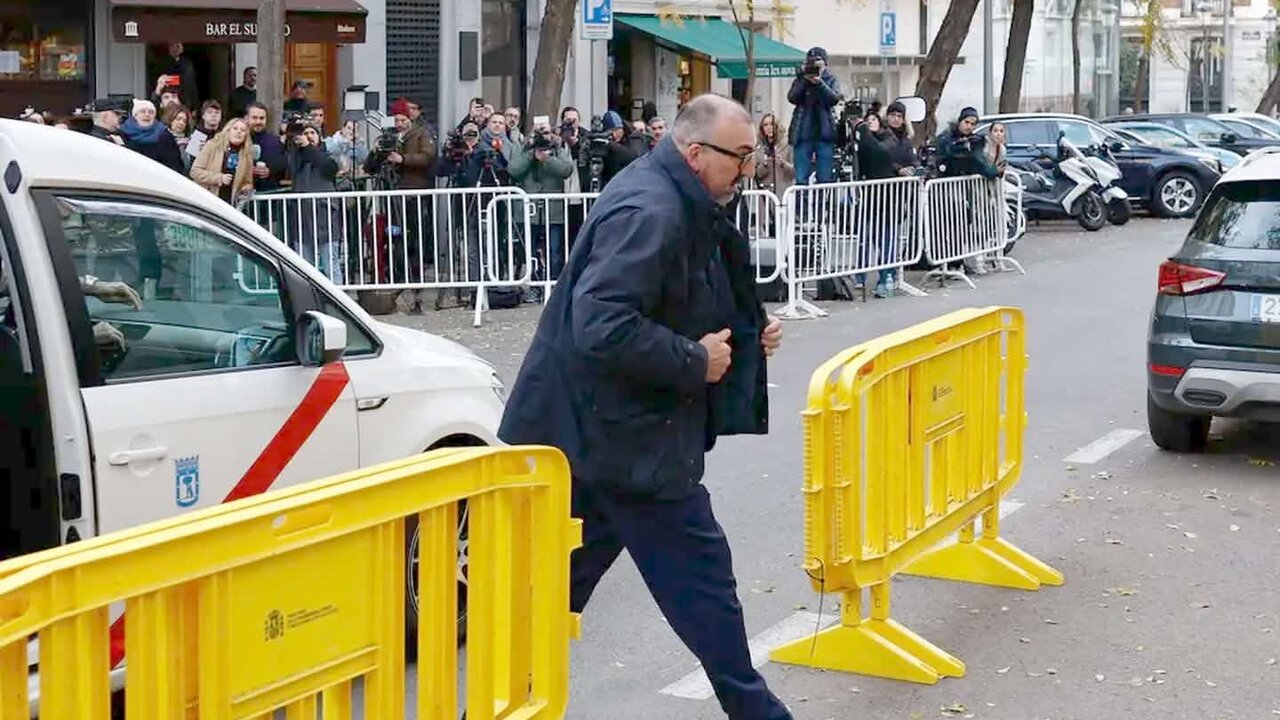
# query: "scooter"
(1102, 160)
(1071, 189)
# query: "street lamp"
(1204, 9)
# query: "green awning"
(721, 42)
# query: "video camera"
(810, 68)
(544, 140)
(294, 124)
(455, 146)
(386, 142)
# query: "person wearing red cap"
(414, 155)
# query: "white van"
(160, 352)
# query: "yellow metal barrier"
(282, 601)
(910, 438)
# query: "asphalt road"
(1169, 609)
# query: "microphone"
(257, 153)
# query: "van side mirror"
(321, 339)
(1118, 146)
(916, 107)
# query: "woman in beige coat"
(225, 164)
(774, 170)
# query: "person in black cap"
(620, 154)
(960, 150)
(106, 119)
(898, 139)
(814, 92)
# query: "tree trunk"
(271, 59)
(1140, 83)
(553, 51)
(1075, 57)
(748, 38)
(942, 56)
(1271, 97)
(1015, 54)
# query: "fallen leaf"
(1051, 671)
(1261, 462)
(1189, 535)
(1235, 528)
(1002, 671)
(1023, 640)
(1272, 661)
(1099, 677)
(1210, 683)
(1113, 541)
(1050, 621)
(954, 709)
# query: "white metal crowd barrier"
(848, 230)
(965, 217)
(402, 239)
(757, 219)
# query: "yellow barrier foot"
(880, 648)
(987, 561)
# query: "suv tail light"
(1179, 279)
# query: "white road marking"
(696, 686)
(1099, 449)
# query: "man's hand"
(542, 155)
(395, 158)
(302, 141)
(228, 178)
(718, 354)
(117, 140)
(261, 171)
(114, 292)
(160, 85)
(813, 79)
(771, 337)
(108, 337)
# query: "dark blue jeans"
(807, 151)
(684, 558)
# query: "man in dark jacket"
(898, 140)
(654, 344)
(106, 120)
(314, 225)
(270, 164)
(619, 153)
(960, 151)
(814, 92)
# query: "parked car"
(1202, 128)
(1246, 127)
(1166, 181)
(1265, 122)
(1213, 349)
(1149, 133)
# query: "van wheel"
(1176, 432)
(1177, 195)
(412, 542)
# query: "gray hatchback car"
(1214, 345)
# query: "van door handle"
(124, 457)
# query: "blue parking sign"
(888, 31)
(597, 19)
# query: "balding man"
(651, 347)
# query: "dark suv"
(1166, 181)
(1214, 346)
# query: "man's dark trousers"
(683, 555)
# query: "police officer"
(652, 346)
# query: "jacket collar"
(697, 200)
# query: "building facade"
(1200, 62)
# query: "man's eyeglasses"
(743, 158)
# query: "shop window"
(42, 45)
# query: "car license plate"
(1266, 308)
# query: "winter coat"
(812, 121)
(542, 176)
(154, 141)
(311, 170)
(272, 153)
(615, 376)
(774, 167)
(958, 155)
(901, 150)
(207, 169)
(875, 162)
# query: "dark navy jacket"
(615, 376)
(812, 121)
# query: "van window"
(207, 303)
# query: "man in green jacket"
(540, 166)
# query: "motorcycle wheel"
(1091, 211)
(1119, 212)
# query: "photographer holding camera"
(315, 231)
(542, 165)
(407, 155)
(814, 92)
(960, 151)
